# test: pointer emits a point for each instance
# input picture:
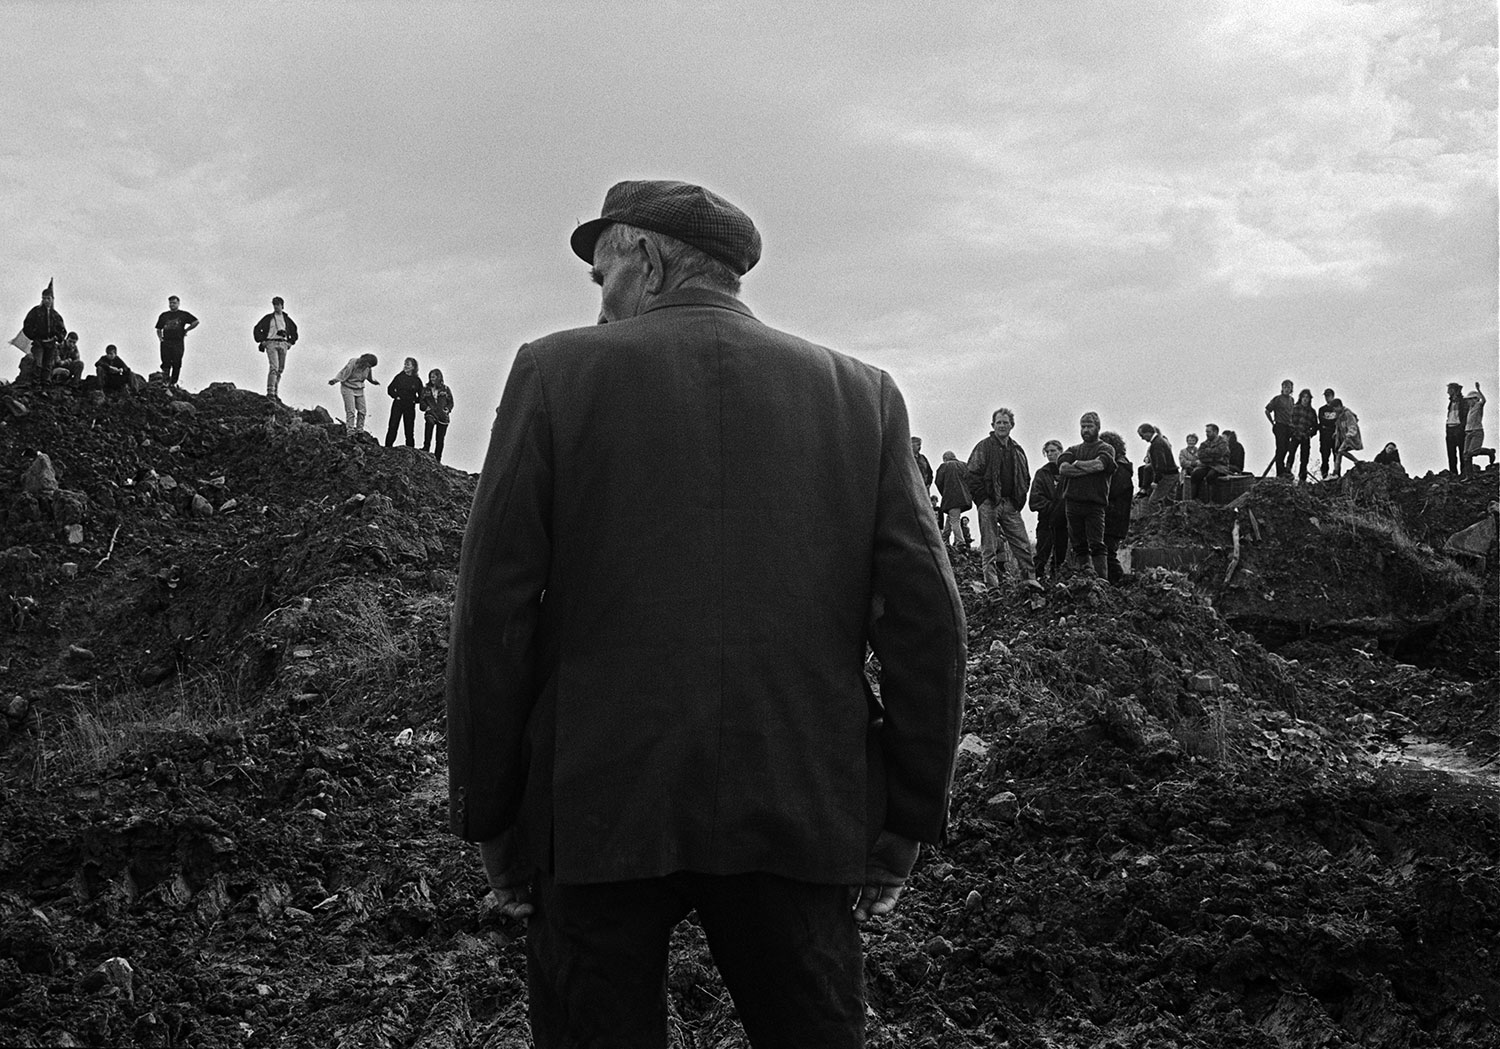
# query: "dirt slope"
(224, 818)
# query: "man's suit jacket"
(688, 526)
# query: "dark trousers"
(45, 355)
(1086, 536)
(1302, 446)
(788, 951)
(1112, 560)
(1455, 441)
(427, 433)
(1283, 434)
(401, 412)
(171, 362)
(1326, 444)
(1051, 544)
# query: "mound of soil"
(225, 787)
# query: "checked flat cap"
(689, 213)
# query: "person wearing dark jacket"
(1213, 460)
(1389, 455)
(1088, 467)
(1458, 413)
(923, 466)
(629, 745)
(953, 500)
(1117, 514)
(45, 329)
(275, 333)
(113, 373)
(1048, 501)
(1328, 425)
(1304, 424)
(1000, 480)
(1162, 464)
(437, 408)
(405, 390)
(1236, 452)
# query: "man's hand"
(886, 869)
(510, 885)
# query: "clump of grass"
(104, 726)
(1380, 527)
(1208, 736)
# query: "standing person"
(46, 331)
(405, 390)
(1304, 424)
(275, 333)
(171, 329)
(750, 776)
(1088, 467)
(1000, 479)
(1162, 464)
(923, 466)
(1347, 438)
(1474, 402)
(1117, 513)
(1236, 452)
(437, 408)
(1458, 410)
(113, 373)
(1187, 459)
(1328, 425)
(351, 380)
(1279, 415)
(953, 500)
(1048, 499)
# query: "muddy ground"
(224, 789)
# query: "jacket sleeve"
(1040, 500)
(258, 333)
(493, 677)
(976, 472)
(291, 330)
(919, 636)
(1022, 480)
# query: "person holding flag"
(42, 333)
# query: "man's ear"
(656, 270)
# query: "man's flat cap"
(689, 213)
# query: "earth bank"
(224, 794)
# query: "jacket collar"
(698, 297)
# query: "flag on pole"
(21, 342)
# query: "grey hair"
(685, 263)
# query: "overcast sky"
(1155, 210)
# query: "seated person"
(1213, 460)
(69, 365)
(113, 373)
(1389, 455)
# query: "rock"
(40, 477)
(166, 482)
(201, 507)
(69, 507)
(999, 648)
(973, 901)
(17, 708)
(1003, 807)
(77, 652)
(1205, 681)
(16, 408)
(403, 738)
(972, 744)
(937, 947)
(74, 534)
(114, 972)
(184, 408)
(69, 569)
(228, 505)
(354, 502)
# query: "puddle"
(1417, 753)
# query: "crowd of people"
(51, 357)
(1082, 495)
